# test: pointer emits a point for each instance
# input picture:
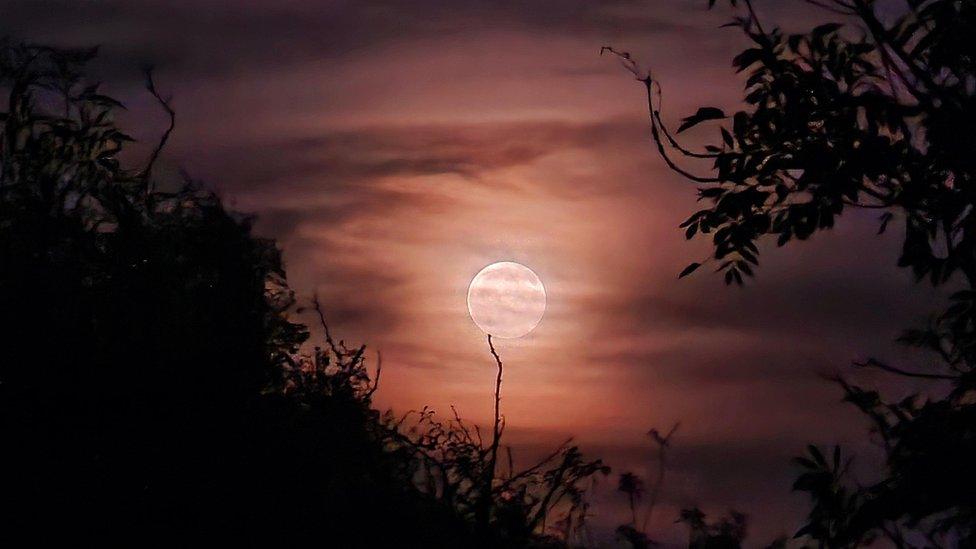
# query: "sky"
(394, 149)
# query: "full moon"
(506, 299)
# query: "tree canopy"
(873, 112)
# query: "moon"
(506, 299)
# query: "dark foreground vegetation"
(879, 114)
(153, 387)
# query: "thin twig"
(663, 445)
(496, 433)
(655, 133)
(755, 18)
(325, 327)
(485, 503)
(654, 113)
(881, 366)
(832, 9)
(522, 474)
(376, 380)
(151, 86)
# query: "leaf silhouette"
(703, 114)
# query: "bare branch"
(325, 326)
(754, 18)
(881, 366)
(376, 379)
(151, 86)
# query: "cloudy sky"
(396, 148)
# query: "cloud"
(341, 174)
(224, 36)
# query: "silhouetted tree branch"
(879, 118)
(872, 363)
(151, 86)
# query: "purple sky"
(396, 148)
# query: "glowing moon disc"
(506, 299)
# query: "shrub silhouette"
(877, 113)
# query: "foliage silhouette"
(726, 533)
(152, 386)
(633, 486)
(875, 113)
(541, 505)
(148, 367)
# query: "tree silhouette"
(138, 324)
(869, 113)
(153, 386)
(148, 366)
